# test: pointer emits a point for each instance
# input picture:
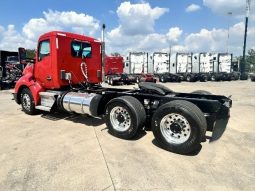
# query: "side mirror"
(22, 55)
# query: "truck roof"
(68, 34)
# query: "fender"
(28, 81)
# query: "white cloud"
(136, 28)
(237, 7)
(215, 40)
(192, 8)
(174, 34)
(55, 20)
(10, 39)
(137, 19)
(71, 21)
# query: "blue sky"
(151, 25)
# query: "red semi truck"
(114, 66)
(66, 76)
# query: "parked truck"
(161, 68)
(114, 73)
(65, 78)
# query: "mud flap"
(219, 129)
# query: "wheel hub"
(120, 118)
(175, 128)
(26, 101)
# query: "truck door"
(43, 70)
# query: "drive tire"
(129, 113)
(27, 102)
(192, 116)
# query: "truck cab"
(59, 56)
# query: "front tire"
(27, 102)
(125, 116)
(179, 126)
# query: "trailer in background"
(184, 67)
(206, 64)
(161, 68)
(137, 64)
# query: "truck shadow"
(219, 129)
(194, 153)
(82, 119)
(85, 120)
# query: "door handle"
(48, 78)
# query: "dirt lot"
(63, 152)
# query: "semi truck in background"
(161, 68)
(114, 71)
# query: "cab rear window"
(81, 49)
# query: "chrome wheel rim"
(175, 128)
(26, 101)
(120, 119)
(162, 79)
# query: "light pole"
(229, 14)
(103, 51)
(243, 76)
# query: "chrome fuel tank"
(78, 102)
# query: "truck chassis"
(179, 121)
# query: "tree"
(250, 60)
(30, 53)
(115, 54)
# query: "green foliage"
(30, 53)
(250, 60)
(115, 54)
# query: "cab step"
(47, 99)
(43, 108)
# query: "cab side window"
(44, 49)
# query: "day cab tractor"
(66, 76)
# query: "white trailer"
(225, 61)
(184, 67)
(137, 62)
(160, 62)
(183, 62)
(161, 68)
